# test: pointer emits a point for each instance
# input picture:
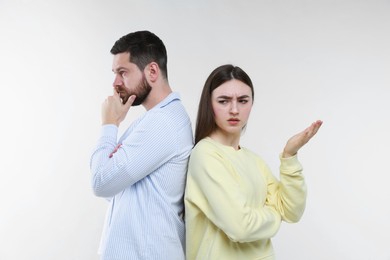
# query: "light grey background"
(309, 60)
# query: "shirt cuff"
(109, 130)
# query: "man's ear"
(152, 71)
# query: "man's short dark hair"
(144, 47)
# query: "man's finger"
(115, 92)
(130, 101)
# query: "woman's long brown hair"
(205, 121)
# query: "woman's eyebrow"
(224, 97)
(229, 97)
(244, 96)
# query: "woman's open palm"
(297, 141)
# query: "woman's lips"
(233, 121)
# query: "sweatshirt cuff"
(290, 165)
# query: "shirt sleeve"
(217, 193)
(150, 144)
(287, 196)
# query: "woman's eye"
(243, 101)
(222, 101)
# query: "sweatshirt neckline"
(227, 148)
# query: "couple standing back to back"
(153, 172)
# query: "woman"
(233, 203)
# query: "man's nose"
(117, 81)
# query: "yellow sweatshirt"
(234, 205)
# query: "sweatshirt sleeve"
(213, 188)
(287, 196)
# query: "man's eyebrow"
(118, 69)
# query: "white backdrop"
(309, 60)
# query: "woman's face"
(232, 103)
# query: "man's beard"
(141, 92)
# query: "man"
(143, 173)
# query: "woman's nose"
(234, 108)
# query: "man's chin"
(124, 100)
(136, 103)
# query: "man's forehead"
(121, 60)
(121, 57)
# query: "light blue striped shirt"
(144, 181)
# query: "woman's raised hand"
(297, 141)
